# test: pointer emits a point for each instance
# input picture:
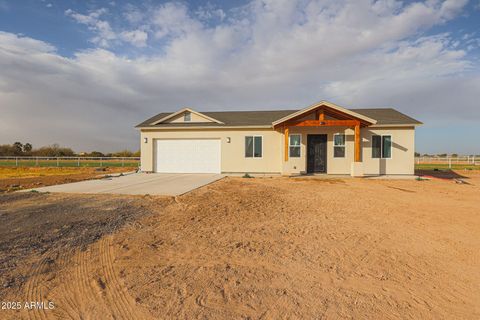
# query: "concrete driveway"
(139, 183)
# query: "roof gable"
(328, 105)
(177, 117)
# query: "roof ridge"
(274, 110)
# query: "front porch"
(324, 139)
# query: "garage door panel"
(188, 156)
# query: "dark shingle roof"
(384, 116)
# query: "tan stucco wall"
(403, 153)
(233, 153)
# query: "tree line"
(19, 149)
(444, 155)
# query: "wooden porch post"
(320, 115)
(358, 145)
(285, 131)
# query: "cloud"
(138, 38)
(210, 12)
(268, 54)
(133, 14)
(104, 33)
(172, 19)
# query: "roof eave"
(205, 127)
(396, 125)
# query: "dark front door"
(317, 153)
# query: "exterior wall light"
(228, 139)
(145, 140)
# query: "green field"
(430, 166)
(70, 163)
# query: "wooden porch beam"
(325, 123)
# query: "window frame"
(381, 145)
(253, 147)
(344, 145)
(189, 114)
(299, 146)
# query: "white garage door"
(188, 156)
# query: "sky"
(83, 73)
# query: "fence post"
(123, 162)
(58, 162)
(16, 162)
(101, 162)
(36, 161)
(78, 163)
(450, 163)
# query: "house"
(322, 138)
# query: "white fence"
(70, 161)
(461, 160)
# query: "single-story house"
(322, 138)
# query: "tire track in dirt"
(33, 288)
(123, 305)
(74, 297)
(83, 276)
(86, 285)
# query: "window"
(253, 147)
(386, 146)
(339, 145)
(382, 147)
(294, 142)
(187, 117)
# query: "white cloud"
(137, 38)
(104, 33)
(133, 14)
(172, 19)
(210, 12)
(267, 54)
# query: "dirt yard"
(279, 248)
(13, 179)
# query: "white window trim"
(381, 145)
(253, 155)
(185, 116)
(344, 145)
(299, 146)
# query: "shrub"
(53, 151)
